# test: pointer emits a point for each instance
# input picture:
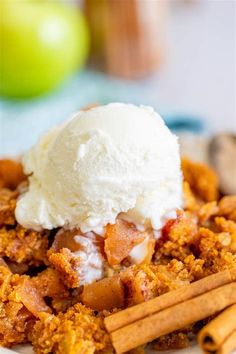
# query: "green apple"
(41, 43)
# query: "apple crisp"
(44, 298)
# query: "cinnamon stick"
(132, 314)
(214, 336)
(173, 318)
(228, 346)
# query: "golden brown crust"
(66, 263)
(23, 246)
(144, 282)
(15, 318)
(16, 243)
(79, 330)
(7, 206)
(22, 299)
(201, 179)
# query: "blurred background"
(57, 57)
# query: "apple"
(41, 43)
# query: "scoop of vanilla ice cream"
(114, 160)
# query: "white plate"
(25, 349)
(28, 350)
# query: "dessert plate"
(28, 350)
(191, 350)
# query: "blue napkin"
(22, 121)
